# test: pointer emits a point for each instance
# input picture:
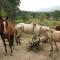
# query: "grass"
(50, 23)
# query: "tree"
(10, 7)
(56, 14)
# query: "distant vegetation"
(44, 18)
(10, 8)
(25, 15)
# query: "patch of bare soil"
(21, 52)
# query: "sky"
(35, 5)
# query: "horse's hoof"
(56, 50)
(50, 54)
(11, 54)
(19, 43)
(5, 54)
(13, 47)
(51, 50)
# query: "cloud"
(33, 5)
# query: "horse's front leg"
(56, 46)
(4, 45)
(3, 39)
(34, 38)
(51, 50)
(20, 41)
(51, 46)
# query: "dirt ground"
(21, 52)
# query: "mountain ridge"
(49, 9)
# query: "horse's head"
(5, 23)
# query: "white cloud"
(33, 5)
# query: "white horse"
(27, 28)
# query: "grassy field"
(50, 23)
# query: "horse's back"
(27, 28)
(56, 35)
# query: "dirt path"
(21, 53)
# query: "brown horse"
(57, 28)
(7, 32)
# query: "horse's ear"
(34, 24)
(6, 18)
(1, 17)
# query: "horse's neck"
(45, 33)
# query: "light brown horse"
(7, 33)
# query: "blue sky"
(35, 5)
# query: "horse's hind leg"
(12, 40)
(10, 47)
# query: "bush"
(35, 46)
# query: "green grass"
(50, 23)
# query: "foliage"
(10, 7)
(56, 14)
(26, 15)
(2, 13)
(35, 46)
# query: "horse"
(53, 36)
(31, 28)
(7, 32)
